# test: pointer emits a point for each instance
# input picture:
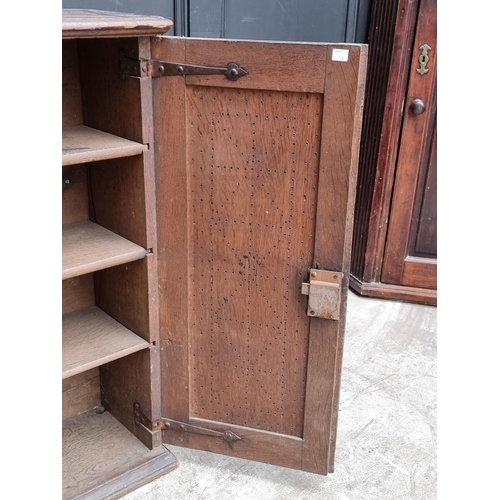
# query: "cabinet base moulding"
(394, 292)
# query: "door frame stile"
(171, 186)
(338, 171)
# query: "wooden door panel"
(254, 196)
(410, 257)
(255, 186)
(425, 226)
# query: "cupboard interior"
(109, 323)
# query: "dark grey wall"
(287, 20)
(293, 20)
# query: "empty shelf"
(92, 338)
(88, 247)
(83, 144)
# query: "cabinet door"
(410, 257)
(255, 185)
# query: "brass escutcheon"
(423, 59)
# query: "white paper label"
(340, 55)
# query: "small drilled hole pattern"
(253, 161)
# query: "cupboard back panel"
(134, 378)
(122, 292)
(71, 91)
(118, 197)
(110, 103)
(78, 293)
(75, 199)
(80, 393)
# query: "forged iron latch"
(155, 68)
(323, 290)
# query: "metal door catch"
(323, 290)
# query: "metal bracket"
(133, 67)
(324, 293)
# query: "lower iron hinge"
(174, 425)
(166, 424)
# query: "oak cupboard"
(207, 190)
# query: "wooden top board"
(83, 23)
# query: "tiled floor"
(387, 425)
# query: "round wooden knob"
(418, 106)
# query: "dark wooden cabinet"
(395, 236)
(199, 210)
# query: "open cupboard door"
(255, 184)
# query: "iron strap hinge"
(324, 293)
(165, 424)
(174, 425)
(154, 68)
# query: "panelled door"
(410, 257)
(255, 182)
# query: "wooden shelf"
(91, 338)
(88, 247)
(102, 459)
(83, 144)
